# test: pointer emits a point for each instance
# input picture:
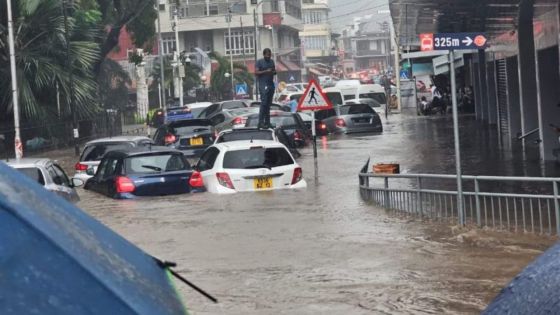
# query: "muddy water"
(322, 250)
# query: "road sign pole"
(461, 214)
(314, 133)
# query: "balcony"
(212, 9)
(361, 53)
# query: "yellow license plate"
(196, 141)
(262, 182)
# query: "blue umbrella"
(56, 259)
(536, 290)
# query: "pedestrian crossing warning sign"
(314, 98)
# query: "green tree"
(190, 81)
(219, 84)
(41, 59)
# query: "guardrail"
(527, 204)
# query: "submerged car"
(291, 123)
(155, 171)
(94, 151)
(191, 136)
(350, 118)
(238, 166)
(50, 175)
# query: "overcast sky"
(343, 11)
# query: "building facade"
(318, 49)
(203, 24)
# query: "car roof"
(140, 151)
(28, 162)
(241, 129)
(118, 139)
(247, 144)
(199, 105)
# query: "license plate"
(262, 182)
(196, 141)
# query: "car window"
(295, 97)
(95, 152)
(378, 97)
(142, 143)
(349, 97)
(208, 111)
(356, 109)
(61, 176)
(258, 157)
(278, 121)
(324, 114)
(208, 159)
(335, 98)
(218, 119)
(107, 168)
(282, 98)
(246, 135)
(233, 105)
(155, 163)
(34, 173)
(196, 111)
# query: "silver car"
(231, 118)
(49, 174)
(94, 151)
(351, 118)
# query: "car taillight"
(224, 180)
(297, 136)
(298, 175)
(80, 167)
(322, 126)
(196, 180)
(170, 138)
(124, 185)
(340, 122)
(238, 121)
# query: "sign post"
(452, 42)
(313, 99)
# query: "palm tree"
(190, 81)
(219, 84)
(41, 59)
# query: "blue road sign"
(241, 89)
(458, 41)
(404, 74)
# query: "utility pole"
(242, 40)
(161, 63)
(176, 55)
(17, 140)
(228, 20)
(255, 21)
(70, 68)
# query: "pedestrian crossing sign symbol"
(241, 89)
(314, 98)
(404, 74)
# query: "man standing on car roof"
(266, 70)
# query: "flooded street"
(323, 250)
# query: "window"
(258, 157)
(207, 160)
(168, 44)
(238, 42)
(148, 164)
(218, 119)
(316, 42)
(96, 151)
(33, 173)
(233, 105)
(107, 168)
(314, 17)
(182, 12)
(61, 176)
(379, 97)
(356, 109)
(213, 9)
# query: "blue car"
(178, 113)
(155, 171)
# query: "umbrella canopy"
(534, 290)
(56, 259)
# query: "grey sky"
(343, 11)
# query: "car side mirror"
(76, 182)
(90, 171)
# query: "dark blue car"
(154, 171)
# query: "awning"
(292, 66)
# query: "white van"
(352, 90)
(334, 95)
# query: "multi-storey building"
(316, 35)
(203, 24)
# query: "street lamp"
(203, 78)
(228, 20)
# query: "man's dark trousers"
(267, 93)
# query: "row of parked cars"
(213, 147)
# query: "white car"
(245, 134)
(259, 165)
(197, 108)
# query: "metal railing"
(526, 204)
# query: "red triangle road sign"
(313, 98)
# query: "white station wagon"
(258, 165)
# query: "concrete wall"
(548, 100)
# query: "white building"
(202, 24)
(316, 35)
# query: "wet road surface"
(323, 250)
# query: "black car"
(218, 107)
(191, 136)
(290, 123)
(155, 171)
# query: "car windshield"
(196, 111)
(257, 157)
(233, 104)
(34, 173)
(147, 164)
(356, 109)
(189, 126)
(95, 152)
(277, 120)
(246, 135)
(378, 97)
